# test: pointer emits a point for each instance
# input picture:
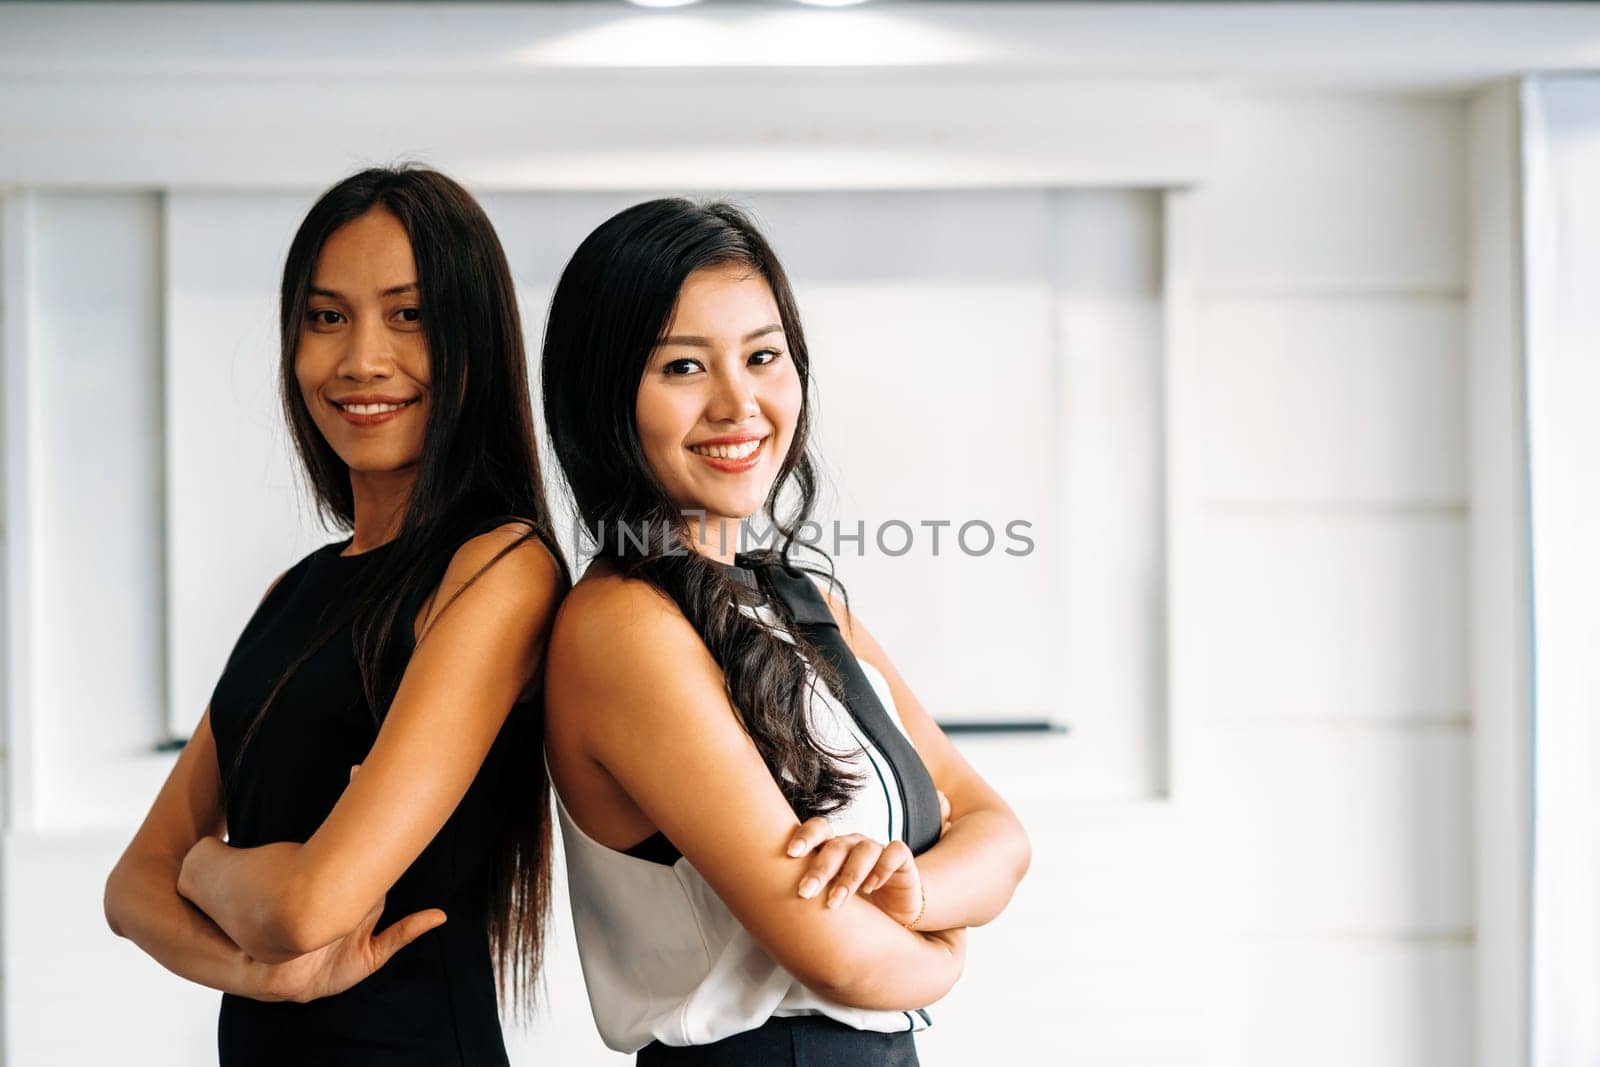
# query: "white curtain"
(1562, 142)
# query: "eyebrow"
(692, 341)
(393, 290)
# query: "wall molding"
(658, 132)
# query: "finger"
(354, 767)
(813, 832)
(856, 867)
(402, 932)
(895, 856)
(944, 808)
(826, 863)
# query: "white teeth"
(743, 450)
(371, 409)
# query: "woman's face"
(362, 357)
(720, 396)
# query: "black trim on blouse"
(811, 619)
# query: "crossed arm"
(660, 726)
(968, 877)
(141, 898)
(224, 916)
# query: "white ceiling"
(1387, 46)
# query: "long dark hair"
(479, 468)
(610, 309)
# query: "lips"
(370, 411)
(731, 455)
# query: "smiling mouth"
(371, 409)
(742, 450)
(734, 458)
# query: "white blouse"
(663, 957)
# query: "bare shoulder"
(510, 560)
(502, 575)
(621, 652)
(610, 624)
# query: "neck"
(715, 537)
(380, 500)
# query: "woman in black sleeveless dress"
(715, 926)
(358, 914)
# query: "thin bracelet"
(921, 911)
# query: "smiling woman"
(711, 405)
(772, 849)
(362, 360)
(411, 649)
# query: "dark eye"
(765, 356)
(324, 317)
(410, 314)
(681, 367)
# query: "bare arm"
(282, 900)
(971, 873)
(658, 721)
(141, 896)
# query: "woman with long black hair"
(750, 795)
(358, 917)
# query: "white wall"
(1329, 527)
(93, 487)
(1502, 640)
(1303, 891)
(1331, 707)
(999, 358)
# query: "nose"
(733, 397)
(367, 355)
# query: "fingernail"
(796, 847)
(809, 887)
(836, 898)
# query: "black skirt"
(791, 1041)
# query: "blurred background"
(1275, 323)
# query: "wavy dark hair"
(479, 468)
(610, 308)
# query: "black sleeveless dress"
(434, 1002)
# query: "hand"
(336, 967)
(886, 874)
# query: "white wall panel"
(1337, 192)
(61, 956)
(1110, 439)
(1100, 954)
(236, 516)
(1373, 1003)
(1502, 645)
(1329, 656)
(1342, 831)
(918, 423)
(95, 509)
(1335, 613)
(1342, 399)
(980, 355)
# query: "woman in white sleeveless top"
(749, 794)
